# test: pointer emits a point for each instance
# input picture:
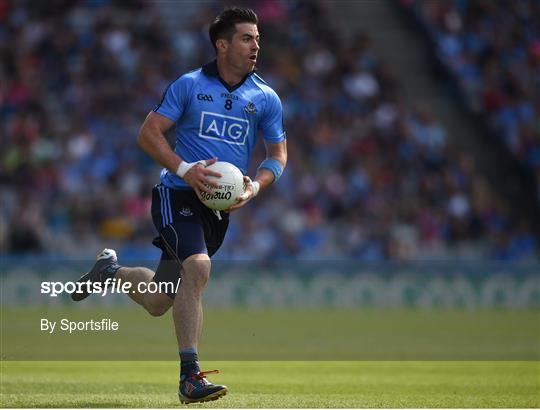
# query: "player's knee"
(157, 305)
(196, 269)
(157, 310)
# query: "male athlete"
(218, 110)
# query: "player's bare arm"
(152, 140)
(264, 177)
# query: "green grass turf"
(268, 335)
(276, 384)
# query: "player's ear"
(222, 44)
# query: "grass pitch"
(275, 384)
(279, 359)
(271, 335)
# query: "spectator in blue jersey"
(218, 110)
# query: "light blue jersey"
(215, 120)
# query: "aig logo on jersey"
(231, 130)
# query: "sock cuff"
(188, 350)
(112, 270)
(189, 355)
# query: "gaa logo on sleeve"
(231, 130)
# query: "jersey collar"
(211, 70)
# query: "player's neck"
(228, 74)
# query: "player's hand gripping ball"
(230, 186)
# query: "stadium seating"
(368, 177)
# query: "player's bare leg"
(107, 268)
(187, 311)
(188, 317)
(155, 303)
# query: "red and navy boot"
(105, 267)
(196, 389)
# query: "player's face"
(244, 48)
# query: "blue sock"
(189, 362)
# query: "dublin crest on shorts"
(185, 211)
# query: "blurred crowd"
(368, 177)
(493, 50)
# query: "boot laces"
(202, 375)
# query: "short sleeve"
(271, 123)
(174, 99)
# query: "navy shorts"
(185, 227)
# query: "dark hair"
(224, 24)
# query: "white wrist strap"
(186, 166)
(255, 186)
